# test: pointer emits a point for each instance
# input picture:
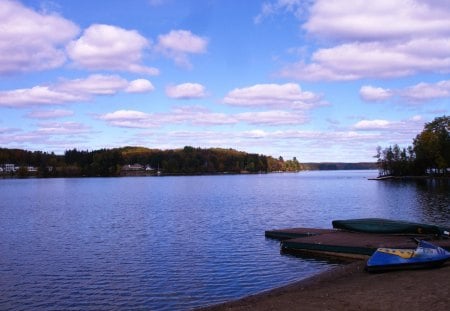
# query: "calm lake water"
(176, 243)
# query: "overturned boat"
(426, 255)
(387, 226)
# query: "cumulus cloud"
(426, 91)
(373, 59)
(201, 116)
(186, 91)
(419, 93)
(367, 50)
(58, 136)
(67, 91)
(370, 93)
(139, 86)
(289, 95)
(63, 128)
(93, 85)
(372, 125)
(273, 117)
(178, 44)
(49, 114)
(190, 115)
(28, 40)
(110, 48)
(403, 128)
(197, 115)
(38, 95)
(380, 20)
(129, 119)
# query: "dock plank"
(341, 243)
(291, 233)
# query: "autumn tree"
(430, 152)
(432, 146)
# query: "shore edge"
(349, 287)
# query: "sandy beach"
(349, 287)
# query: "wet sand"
(349, 287)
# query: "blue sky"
(319, 80)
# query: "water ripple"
(177, 243)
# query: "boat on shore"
(426, 255)
(387, 226)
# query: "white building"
(8, 167)
(32, 169)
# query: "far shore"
(349, 287)
(411, 177)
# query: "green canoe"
(380, 225)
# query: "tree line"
(428, 155)
(111, 162)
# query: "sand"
(349, 287)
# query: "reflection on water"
(433, 200)
(175, 243)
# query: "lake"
(176, 243)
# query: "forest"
(428, 155)
(136, 161)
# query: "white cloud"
(140, 86)
(426, 91)
(93, 85)
(370, 93)
(38, 95)
(208, 118)
(49, 114)
(373, 59)
(188, 115)
(366, 49)
(255, 134)
(31, 41)
(273, 117)
(178, 44)
(402, 129)
(378, 21)
(110, 48)
(372, 125)
(62, 135)
(186, 91)
(197, 115)
(419, 93)
(129, 119)
(288, 95)
(200, 116)
(63, 128)
(67, 91)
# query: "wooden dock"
(340, 243)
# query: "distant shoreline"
(381, 178)
(328, 166)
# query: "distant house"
(8, 168)
(32, 169)
(133, 167)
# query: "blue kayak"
(426, 255)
